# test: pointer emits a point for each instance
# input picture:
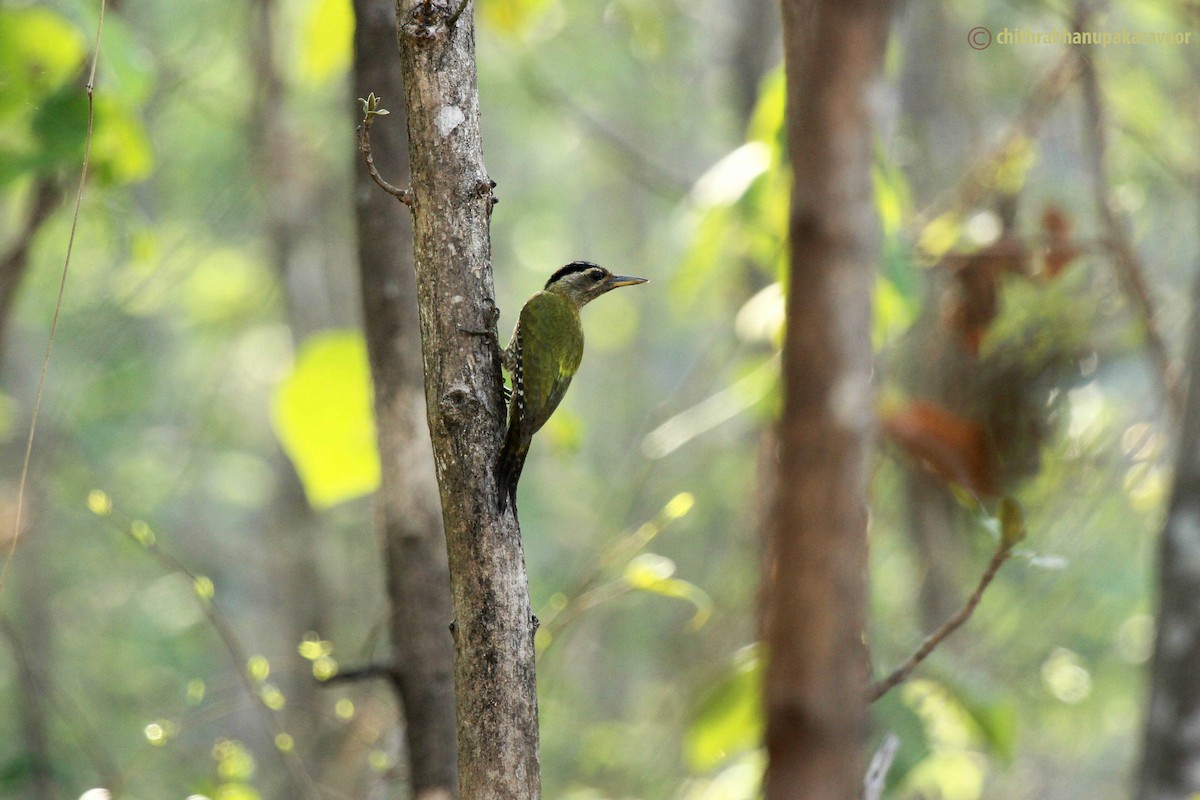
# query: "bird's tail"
(509, 466)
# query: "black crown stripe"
(574, 266)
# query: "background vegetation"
(176, 595)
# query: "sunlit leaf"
(514, 17)
(39, 51)
(237, 791)
(326, 40)
(99, 503)
(726, 181)
(679, 505)
(322, 414)
(650, 572)
(203, 587)
(728, 719)
(648, 569)
(234, 762)
(271, 696)
(258, 668)
(892, 313)
(938, 236)
(121, 151)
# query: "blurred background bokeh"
(208, 357)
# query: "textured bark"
(817, 673)
(408, 514)
(1170, 768)
(452, 199)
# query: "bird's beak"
(617, 281)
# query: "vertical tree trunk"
(452, 199)
(817, 673)
(1170, 767)
(408, 515)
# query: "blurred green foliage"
(196, 368)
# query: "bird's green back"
(551, 349)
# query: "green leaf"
(1012, 522)
(892, 714)
(322, 414)
(728, 719)
(39, 51)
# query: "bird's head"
(583, 281)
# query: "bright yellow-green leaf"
(938, 237)
(99, 503)
(679, 505)
(652, 573)
(322, 414)
(258, 668)
(728, 720)
(272, 698)
(203, 586)
(892, 313)
(237, 791)
(326, 41)
(120, 146)
(234, 762)
(514, 17)
(324, 667)
(648, 569)
(39, 50)
(142, 532)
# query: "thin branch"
(901, 673)
(639, 166)
(371, 110)
(357, 674)
(976, 187)
(1128, 266)
(62, 288)
(232, 643)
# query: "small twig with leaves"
(1012, 531)
(203, 591)
(371, 110)
(89, 90)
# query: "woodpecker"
(542, 357)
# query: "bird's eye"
(595, 274)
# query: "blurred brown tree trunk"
(408, 514)
(1170, 768)
(815, 605)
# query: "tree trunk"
(817, 673)
(408, 516)
(1170, 767)
(452, 199)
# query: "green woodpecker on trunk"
(542, 357)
